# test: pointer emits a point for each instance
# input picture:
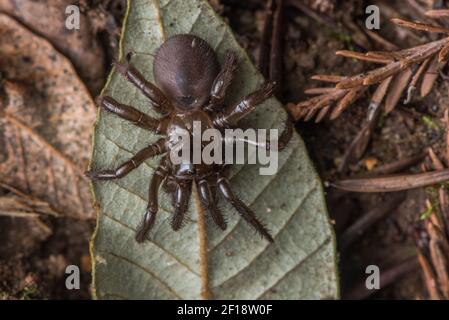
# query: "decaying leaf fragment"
(44, 127)
(21, 229)
(48, 18)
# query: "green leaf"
(201, 261)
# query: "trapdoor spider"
(190, 87)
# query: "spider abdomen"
(184, 68)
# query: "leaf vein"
(250, 262)
(300, 263)
(168, 253)
(254, 200)
(149, 272)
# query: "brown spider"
(190, 87)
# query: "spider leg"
(131, 114)
(234, 113)
(150, 215)
(131, 164)
(242, 208)
(283, 139)
(182, 197)
(151, 91)
(223, 80)
(286, 134)
(208, 200)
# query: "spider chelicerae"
(191, 87)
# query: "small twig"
(429, 277)
(420, 26)
(393, 183)
(270, 60)
(399, 165)
(264, 48)
(277, 49)
(442, 13)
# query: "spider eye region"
(188, 100)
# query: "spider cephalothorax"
(190, 87)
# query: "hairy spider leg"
(223, 80)
(286, 134)
(245, 212)
(181, 203)
(234, 113)
(283, 139)
(132, 114)
(206, 194)
(126, 167)
(150, 215)
(158, 99)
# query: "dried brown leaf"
(346, 101)
(390, 55)
(45, 129)
(327, 78)
(81, 46)
(398, 86)
(441, 13)
(429, 277)
(443, 56)
(381, 91)
(431, 76)
(419, 26)
(313, 91)
(323, 112)
(437, 164)
(308, 109)
(363, 57)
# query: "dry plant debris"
(432, 229)
(46, 116)
(47, 18)
(403, 70)
(432, 240)
(46, 120)
(84, 46)
(432, 233)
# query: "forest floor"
(31, 265)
